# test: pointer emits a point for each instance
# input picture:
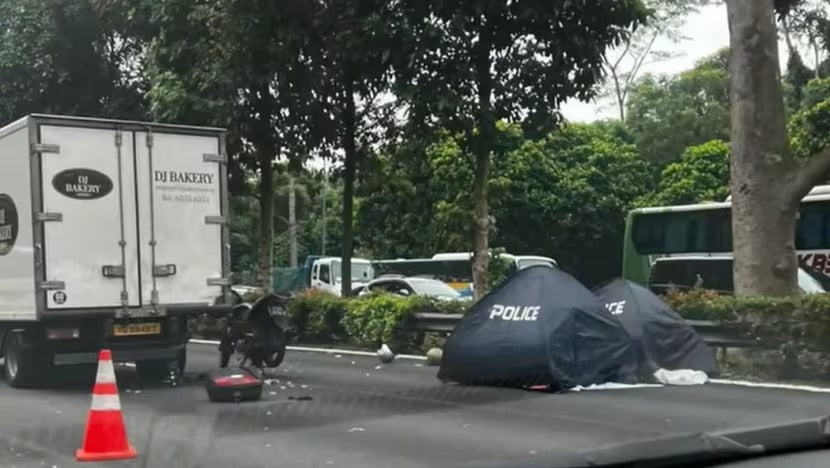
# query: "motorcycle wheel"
(278, 344)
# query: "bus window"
(810, 233)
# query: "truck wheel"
(24, 368)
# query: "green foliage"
(68, 58)
(563, 196)
(499, 269)
(791, 332)
(471, 63)
(383, 318)
(566, 196)
(365, 321)
(810, 127)
(317, 316)
(670, 113)
(701, 175)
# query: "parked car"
(712, 273)
(411, 285)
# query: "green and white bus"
(706, 229)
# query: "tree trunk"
(292, 222)
(325, 213)
(262, 137)
(266, 218)
(483, 144)
(350, 150)
(767, 183)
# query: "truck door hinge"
(216, 219)
(149, 139)
(52, 285)
(113, 271)
(47, 217)
(45, 148)
(215, 158)
(221, 281)
(164, 270)
(119, 137)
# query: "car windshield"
(430, 287)
(361, 271)
(808, 284)
(528, 262)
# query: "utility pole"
(292, 221)
(325, 195)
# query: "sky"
(707, 32)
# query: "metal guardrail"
(714, 334)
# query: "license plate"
(148, 328)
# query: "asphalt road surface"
(362, 414)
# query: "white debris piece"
(338, 355)
(531, 452)
(352, 362)
(681, 377)
(385, 354)
(378, 367)
(357, 429)
(268, 413)
(367, 374)
(418, 365)
(303, 386)
(613, 386)
(272, 393)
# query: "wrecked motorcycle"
(256, 334)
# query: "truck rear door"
(181, 217)
(88, 217)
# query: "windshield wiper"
(712, 446)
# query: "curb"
(309, 349)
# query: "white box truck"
(112, 234)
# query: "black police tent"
(540, 327)
(660, 335)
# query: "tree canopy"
(667, 114)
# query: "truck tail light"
(63, 333)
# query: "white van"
(326, 273)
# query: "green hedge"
(365, 321)
(792, 333)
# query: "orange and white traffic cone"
(106, 436)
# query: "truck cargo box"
(113, 218)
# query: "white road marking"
(780, 386)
